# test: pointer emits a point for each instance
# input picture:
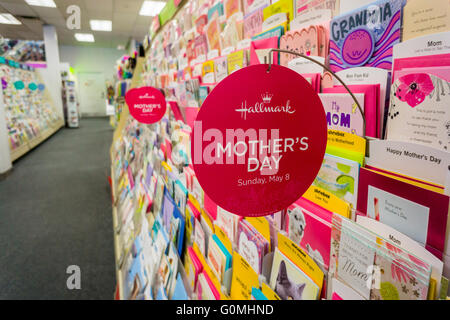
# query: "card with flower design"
(377, 269)
(420, 111)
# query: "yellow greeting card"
(243, 279)
(278, 7)
(301, 259)
(262, 226)
(425, 17)
(269, 293)
(223, 238)
(346, 145)
(327, 200)
(235, 61)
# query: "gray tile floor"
(55, 211)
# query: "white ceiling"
(126, 21)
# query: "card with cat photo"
(289, 282)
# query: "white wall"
(5, 154)
(52, 75)
(90, 59)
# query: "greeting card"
(236, 60)
(366, 36)
(243, 278)
(401, 158)
(193, 267)
(301, 259)
(208, 72)
(286, 6)
(212, 31)
(205, 288)
(259, 50)
(219, 258)
(309, 226)
(232, 33)
(377, 269)
(342, 112)
(253, 5)
(340, 177)
(371, 104)
(232, 7)
(253, 23)
(217, 8)
(418, 213)
(419, 111)
(410, 245)
(289, 281)
(220, 68)
(429, 54)
(305, 41)
(341, 291)
(251, 245)
(423, 17)
(274, 32)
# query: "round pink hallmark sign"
(146, 104)
(259, 140)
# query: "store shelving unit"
(31, 144)
(136, 80)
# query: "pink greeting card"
(309, 226)
(259, 50)
(314, 79)
(418, 213)
(176, 110)
(342, 112)
(371, 104)
(425, 63)
(253, 23)
(305, 41)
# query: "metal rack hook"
(326, 68)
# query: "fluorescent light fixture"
(84, 37)
(41, 3)
(7, 18)
(101, 25)
(151, 8)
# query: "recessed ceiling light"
(101, 25)
(151, 8)
(84, 37)
(7, 18)
(41, 3)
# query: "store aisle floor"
(55, 211)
